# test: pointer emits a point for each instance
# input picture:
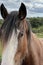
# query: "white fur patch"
(10, 50)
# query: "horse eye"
(20, 34)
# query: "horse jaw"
(10, 50)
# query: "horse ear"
(22, 11)
(4, 12)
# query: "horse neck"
(35, 49)
(33, 41)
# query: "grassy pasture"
(39, 35)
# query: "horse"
(20, 45)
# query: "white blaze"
(10, 50)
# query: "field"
(39, 35)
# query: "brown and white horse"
(21, 46)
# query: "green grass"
(40, 35)
(38, 30)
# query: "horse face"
(13, 20)
(13, 31)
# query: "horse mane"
(8, 25)
(29, 32)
